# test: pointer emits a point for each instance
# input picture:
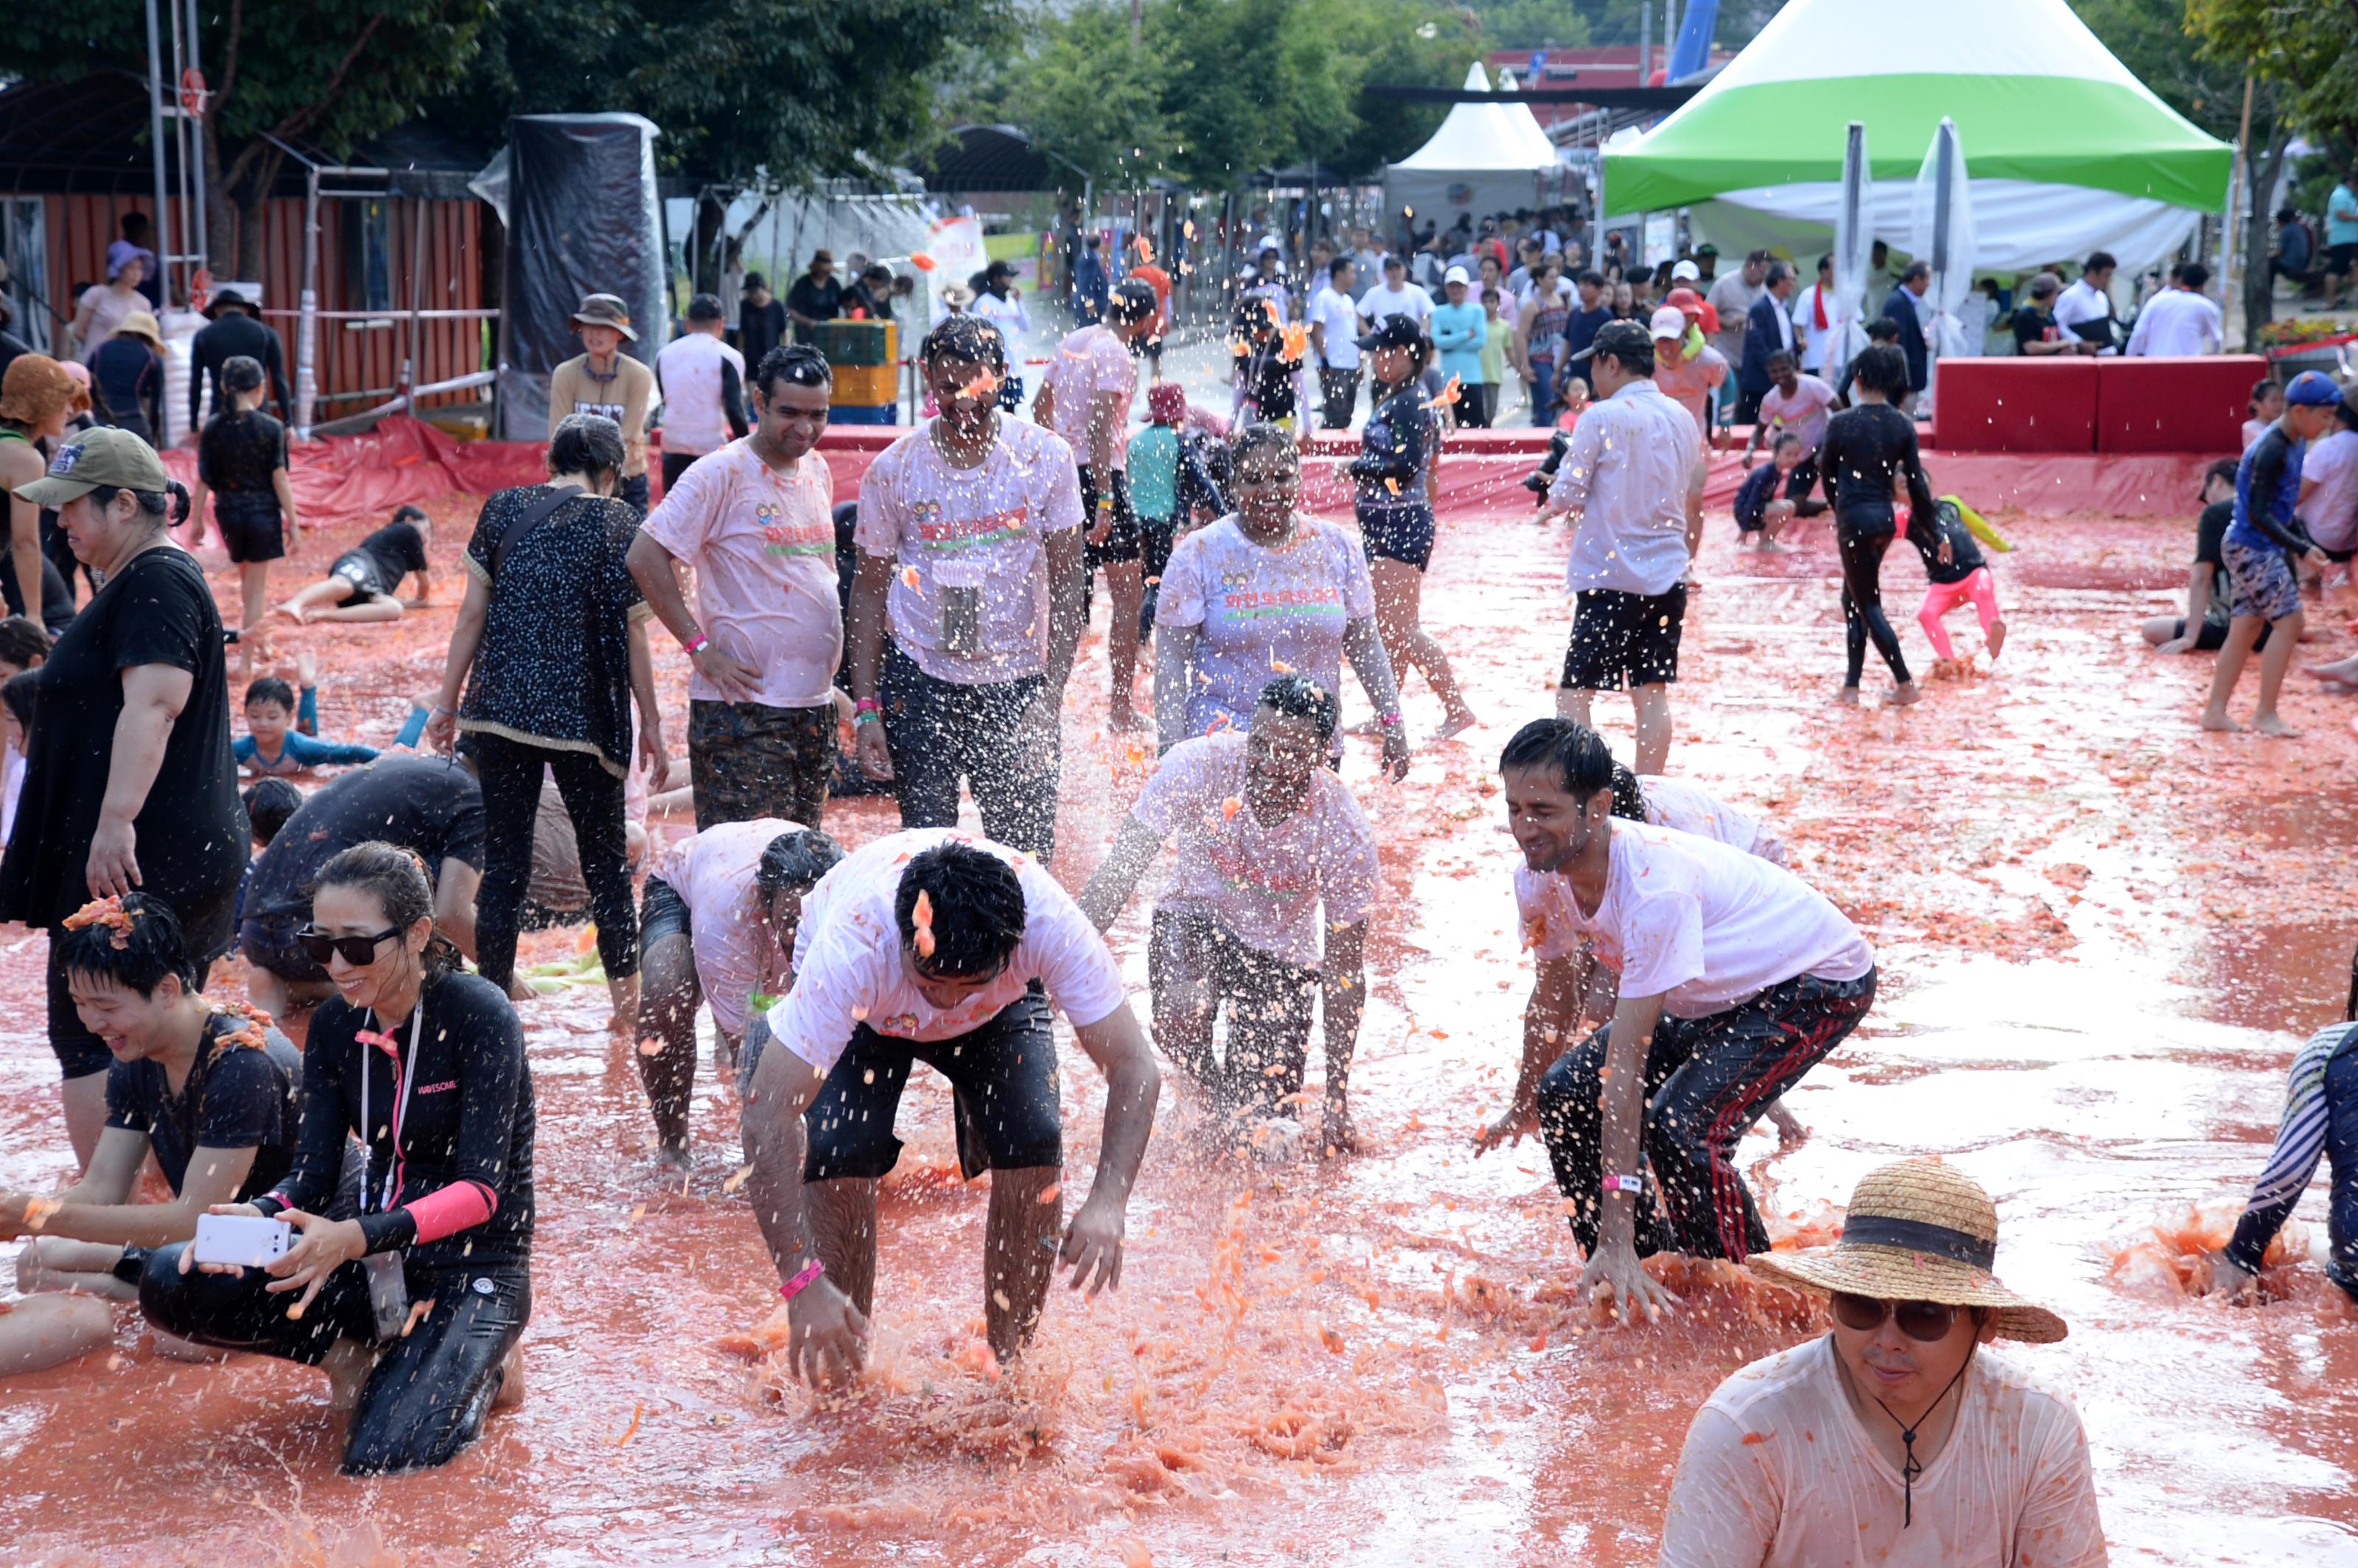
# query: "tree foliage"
(1218, 89)
(795, 89)
(328, 74)
(2307, 49)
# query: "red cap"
(1685, 299)
(1167, 403)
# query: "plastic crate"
(848, 343)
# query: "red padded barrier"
(2016, 405)
(2174, 405)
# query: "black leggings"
(511, 772)
(431, 1388)
(1861, 598)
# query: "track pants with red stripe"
(1707, 1079)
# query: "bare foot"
(1996, 639)
(674, 1161)
(1452, 725)
(2218, 721)
(2269, 724)
(348, 1364)
(292, 612)
(511, 1392)
(1906, 692)
(1849, 695)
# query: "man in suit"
(1901, 307)
(1767, 330)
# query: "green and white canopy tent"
(2068, 152)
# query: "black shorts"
(1270, 1001)
(2213, 635)
(251, 526)
(1123, 544)
(268, 941)
(1623, 640)
(1003, 1075)
(661, 915)
(1397, 534)
(2341, 259)
(359, 570)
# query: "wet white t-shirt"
(1776, 1473)
(979, 530)
(1264, 612)
(1802, 415)
(2331, 510)
(1699, 924)
(1090, 361)
(1690, 808)
(763, 544)
(736, 955)
(1263, 881)
(849, 969)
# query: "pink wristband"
(793, 1287)
(694, 645)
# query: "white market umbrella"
(1942, 237)
(1854, 252)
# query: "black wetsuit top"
(1868, 449)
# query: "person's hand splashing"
(1614, 1271)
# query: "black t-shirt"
(429, 805)
(1946, 523)
(554, 666)
(2033, 326)
(2210, 533)
(239, 452)
(762, 327)
(237, 1096)
(397, 551)
(470, 1118)
(1868, 449)
(820, 301)
(192, 836)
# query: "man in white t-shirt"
(2089, 303)
(1632, 481)
(926, 947)
(970, 552)
(701, 381)
(2329, 490)
(1733, 979)
(1396, 295)
(718, 926)
(1334, 321)
(1086, 397)
(1813, 319)
(2181, 320)
(1271, 848)
(755, 522)
(1849, 1448)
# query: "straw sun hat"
(1918, 1231)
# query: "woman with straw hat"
(1894, 1439)
(127, 374)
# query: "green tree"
(328, 74)
(746, 91)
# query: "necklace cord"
(1914, 1466)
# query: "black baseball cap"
(1394, 332)
(1622, 340)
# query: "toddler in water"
(283, 732)
(1957, 571)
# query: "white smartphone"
(247, 1240)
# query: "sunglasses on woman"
(1926, 1321)
(318, 945)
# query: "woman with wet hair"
(413, 1309)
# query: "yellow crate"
(865, 387)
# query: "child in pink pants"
(1954, 560)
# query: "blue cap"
(2313, 387)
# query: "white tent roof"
(1484, 138)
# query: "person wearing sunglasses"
(1895, 1438)
(211, 1092)
(934, 945)
(413, 1309)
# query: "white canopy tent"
(1484, 158)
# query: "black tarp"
(583, 218)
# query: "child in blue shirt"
(2258, 549)
(1761, 509)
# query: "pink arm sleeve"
(459, 1206)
